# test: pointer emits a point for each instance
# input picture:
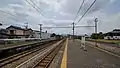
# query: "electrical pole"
(26, 25)
(96, 20)
(40, 31)
(1, 23)
(73, 29)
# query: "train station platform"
(75, 57)
(20, 44)
(109, 47)
(8, 46)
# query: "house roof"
(16, 27)
(115, 31)
(29, 29)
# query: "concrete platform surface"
(92, 58)
(109, 47)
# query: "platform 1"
(75, 57)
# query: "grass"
(109, 41)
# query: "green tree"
(53, 35)
(97, 36)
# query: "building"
(18, 32)
(115, 34)
(28, 33)
(44, 35)
(3, 34)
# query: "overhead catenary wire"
(79, 10)
(35, 8)
(87, 11)
(67, 26)
(73, 27)
(13, 16)
(7, 13)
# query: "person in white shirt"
(83, 46)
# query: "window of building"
(11, 31)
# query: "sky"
(61, 13)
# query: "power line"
(14, 19)
(79, 10)
(10, 15)
(76, 17)
(67, 27)
(37, 6)
(34, 8)
(7, 13)
(13, 16)
(87, 10)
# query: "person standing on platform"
(83, 46)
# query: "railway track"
(18, 56)
(47, 59)
(43, 59)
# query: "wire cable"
(67, 26)
(87, 10)
(13, 16)
(79, 10)
(7, 13)
(35, 8)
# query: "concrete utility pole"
(26, 25)
(40, 31)
(1, 24)
(73, 29)
(96, 20)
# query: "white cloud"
(110, 23)
(59, 13)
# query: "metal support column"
(40, 31)
(96, 20)
(73, 30)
